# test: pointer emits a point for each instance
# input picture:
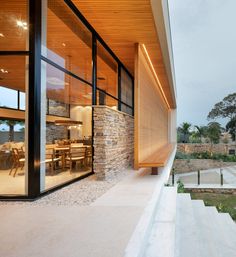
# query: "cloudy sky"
(204, 45)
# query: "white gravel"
(81, 193)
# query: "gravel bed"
(81, 193)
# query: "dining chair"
(75, 155)
(51, 159)
(89, 155)
(18, 158)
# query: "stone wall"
(54, 132)
(182, 166)
(113, 141)
(196, 148)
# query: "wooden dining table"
(62, 151)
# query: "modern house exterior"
(85, 87)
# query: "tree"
(11, 124)
(184, 129)
(225, 109)
(213, 132)
(230, 127)
(201, 132)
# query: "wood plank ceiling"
(122, 23)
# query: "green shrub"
(180, 187)
(182, 156)
(206, 155)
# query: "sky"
(204, 48)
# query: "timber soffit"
(119, 23)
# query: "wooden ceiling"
(122, 23)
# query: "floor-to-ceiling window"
(66, 76)
(48, 84)
(13, 94)
(126, 92)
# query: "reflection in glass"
(8, 97)
(14, 25)
(107, 72)
(13, 147)
(72, 48)
(67, 147)
(126, 109)
(126, 88)
(104, 99)
(22, 101)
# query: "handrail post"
(221, 177)
(198, 177)
(173, 176)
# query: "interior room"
(66, 95)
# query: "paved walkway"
(101, 229)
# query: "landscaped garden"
(205, 155)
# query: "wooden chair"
(18, 158)
(51, 159)
(75, 155)
(89, 155)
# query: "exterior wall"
(198, 148)
(151, 112)
(113, 141)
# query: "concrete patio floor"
(102, 229)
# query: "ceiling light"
(1, 35)
(4, 71)
(22, 24)
(63, 44)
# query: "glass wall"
(66, 124)
(13, 144)
(63, 111)
(126, 92)
(107, 72)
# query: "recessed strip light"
(156, 77)
(1, 35)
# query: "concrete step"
(186, 238)
(222, 234)
(161, 241)
(205, 229)
(228, 220)
(225, 237)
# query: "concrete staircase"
(187, 228)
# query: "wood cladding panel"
(151, 123)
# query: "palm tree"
(201, 131)
(185, 130)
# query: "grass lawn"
(223, 202)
